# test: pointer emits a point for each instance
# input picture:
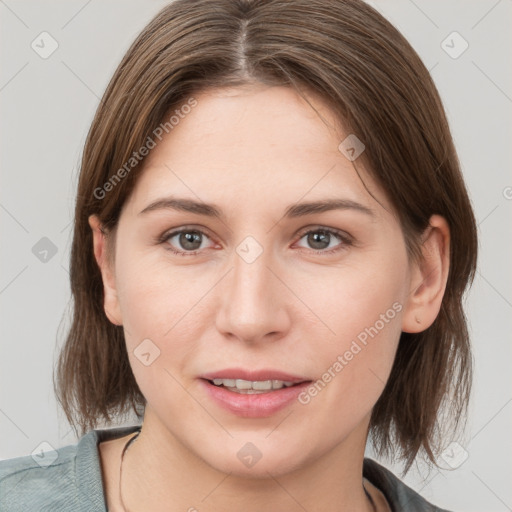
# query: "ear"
(428, 277)
(111, 302)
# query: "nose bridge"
(252, 305)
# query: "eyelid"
(175, 231)
(317, 227)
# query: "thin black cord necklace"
(130, 441)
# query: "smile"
(251, 387)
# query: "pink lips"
(258, 405)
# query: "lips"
(249, 403)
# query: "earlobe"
(111, 302)
(428, 278)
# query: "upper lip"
(254, 375)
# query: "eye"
(187, 241)
(320, 239)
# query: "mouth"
(253, 394)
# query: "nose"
(253, 300)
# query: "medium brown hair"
(379, 89)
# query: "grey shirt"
(73, 481)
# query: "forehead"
(252, 145)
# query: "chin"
(258, 459)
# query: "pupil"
(191, 237)
(319, 237)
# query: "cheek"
(363, 312)
(167, 306)
(160, 332)
(361, 295)
(153, 295)
(352, 371)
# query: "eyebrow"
(293, 211)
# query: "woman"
(272, 241)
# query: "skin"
(253, 151)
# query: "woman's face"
(260, 287)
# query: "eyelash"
(346, 241)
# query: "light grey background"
(46, 109)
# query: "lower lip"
(258, 405)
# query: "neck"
(179, 480)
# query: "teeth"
(243, 384)
(248, 385)
(229, 383)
